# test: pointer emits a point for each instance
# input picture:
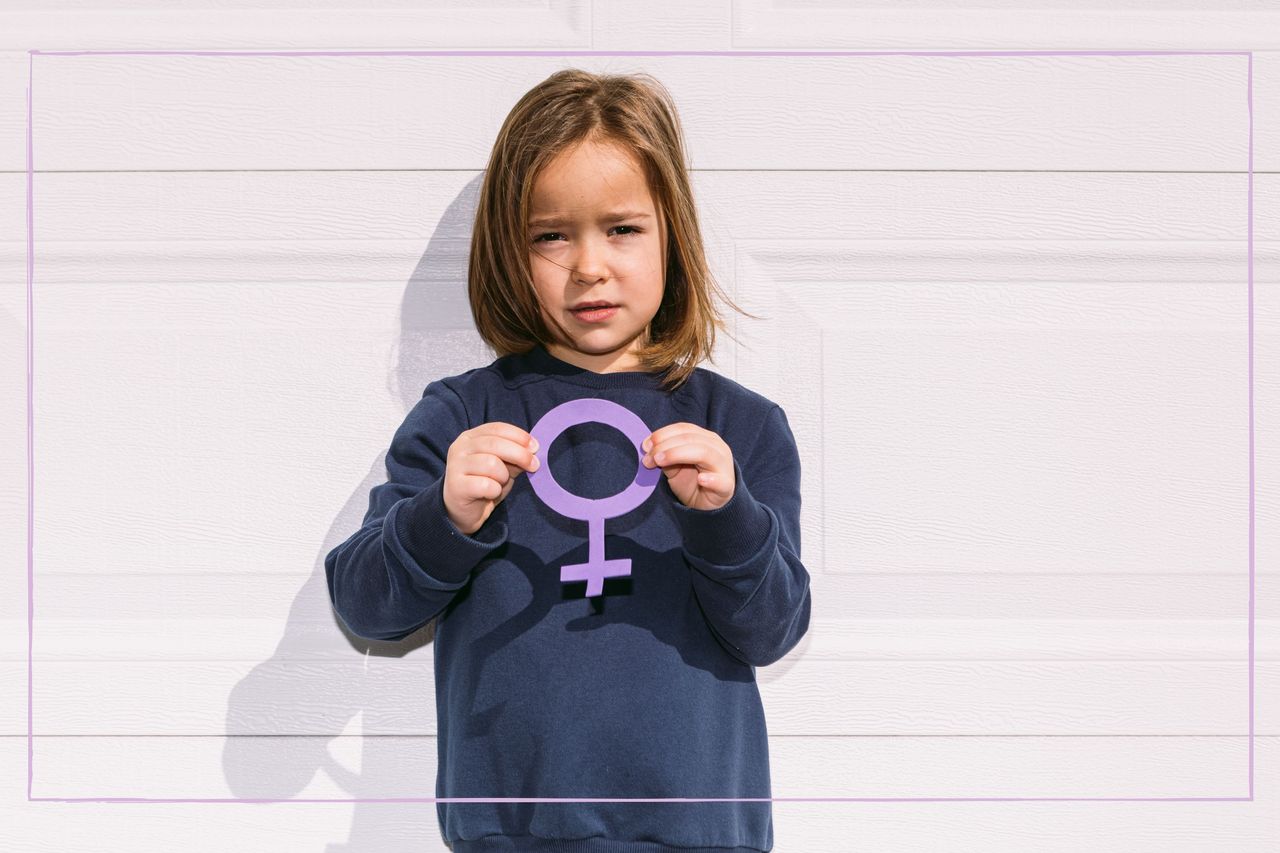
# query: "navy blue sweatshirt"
(644, 690)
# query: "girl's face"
(595, 235)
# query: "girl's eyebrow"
(612, 216)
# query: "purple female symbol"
(593, 511)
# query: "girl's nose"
(590, 263)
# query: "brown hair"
(570, 107)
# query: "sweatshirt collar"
(540, 360)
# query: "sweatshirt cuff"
(439, 554)
(728, 535)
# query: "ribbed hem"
(728, 535)
(504, 843)
(431, 546)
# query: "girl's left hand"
(697, 462)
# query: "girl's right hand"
(481, 469)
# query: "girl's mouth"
(595, 315)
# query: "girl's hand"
(481, 470)
(698, 464)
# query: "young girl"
(674, 492)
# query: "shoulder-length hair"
(573, 106)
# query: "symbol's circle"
(586, 410)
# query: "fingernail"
(536, 463)
(533, 444)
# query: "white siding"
(1007, 313)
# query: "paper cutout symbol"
(594, 511)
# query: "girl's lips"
(595, 315)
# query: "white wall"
(1008, 317)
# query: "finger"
(483, 487)
(680, 449)
(669, 431)
(485, 464)
(504, 430)
(518, 455)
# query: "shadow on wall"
(307, 691)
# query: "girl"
(640, 686)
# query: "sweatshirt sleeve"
(745, 555)
(408, 559)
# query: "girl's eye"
(631, 230)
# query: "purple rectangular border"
(31, 438)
